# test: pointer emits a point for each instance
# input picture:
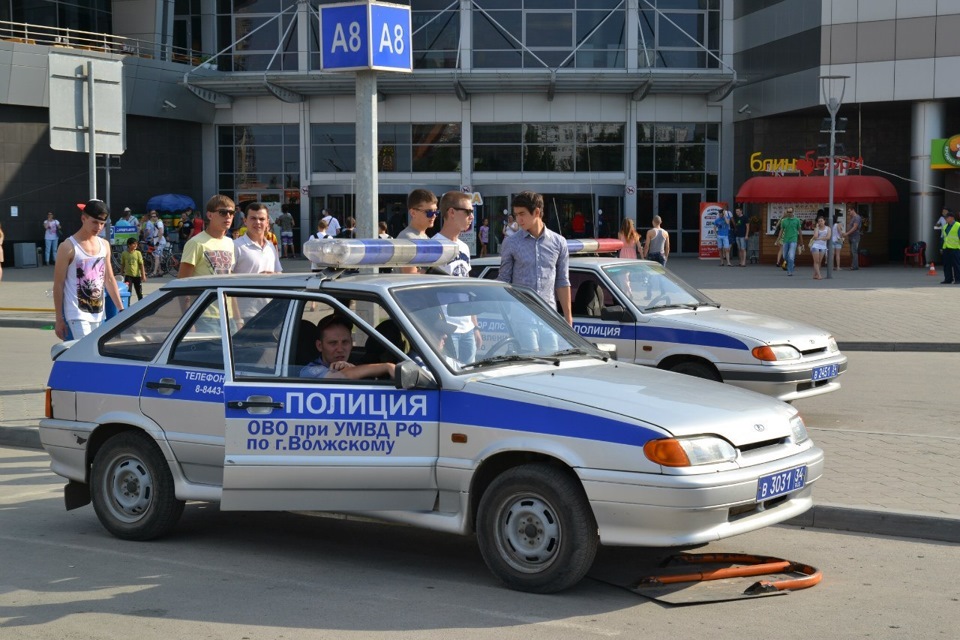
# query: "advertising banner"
(708, 233)
(945, 153)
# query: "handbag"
(813, 239)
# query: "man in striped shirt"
(536, 256)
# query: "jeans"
(81, 328)
(50, 252)
(790, 253)
(855, 252)
(465, 345)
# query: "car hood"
(766, 329)
(681, 405)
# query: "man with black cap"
(950, 237)
(83, 274)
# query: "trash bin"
(25, 255)
(111, 308)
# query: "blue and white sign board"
(365, 36)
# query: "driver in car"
(334, 343)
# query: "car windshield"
(472, 325)
(651, 287)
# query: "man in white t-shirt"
(253, 253)
(422, 205)
(333, 225)
(456, 208)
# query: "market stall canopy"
(171, 202)
(859, 189)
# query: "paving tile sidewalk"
(884, 308)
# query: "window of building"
(253, 157)
(187, 32)
(400, 148)
(257, 31)
(548, 147)
(82, 15)
(549, 34)
(680, 155)
(677, 34)
(436, 33)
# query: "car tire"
(132, 488)
(697, 370)
(558, 541)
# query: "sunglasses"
(429, 212)
(226, 213)
(470, 210)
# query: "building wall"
(162, 156)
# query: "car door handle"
(254, 404)
(164, 384)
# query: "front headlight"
(799, 429)
(776, 353)
(832, 345)
(689, 452)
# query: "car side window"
(256, 333)
(142, 337)
(200, 343)
(589, 294)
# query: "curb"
(885, 523)
(20, 437)
(26, 323)
(824, 516)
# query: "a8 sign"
(369, 35)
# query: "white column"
(925, 200)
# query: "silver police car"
(656, 319)
(454, 404)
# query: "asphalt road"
(242, 576)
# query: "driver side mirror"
(616, 313)
(409, 375)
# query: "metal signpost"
(833, 106)
(366, 37)
(86, 108)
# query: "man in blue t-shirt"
(335, 342)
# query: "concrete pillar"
(925, 200)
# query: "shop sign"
(809, 164)
(945, 153)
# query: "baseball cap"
(126, 209)
(96, 209)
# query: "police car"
(538, 443)
(656, 319)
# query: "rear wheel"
(697, 370)
(132, 488)
(148, 262)
(536, 530)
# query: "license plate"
(777, 484)
(825, 372)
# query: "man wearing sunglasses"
(211, 252)
(422, 205)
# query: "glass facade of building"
(83, 15)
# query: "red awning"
(817, 189)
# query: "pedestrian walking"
(852, 235)
(657, 245)
(82, 276)
(950, 243)
(741, 232)
(132, 269)
(628, 235)
(818, 245)
(837, 240)
(790, 235)
(537, 257)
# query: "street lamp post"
(827, 84)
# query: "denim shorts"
(723, 242)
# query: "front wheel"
(536, 530)
(132, 488)
(697, 370)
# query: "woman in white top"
(837, 240)
(821, 235)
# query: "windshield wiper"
(486, 362)
(575, 351)
(685, 305)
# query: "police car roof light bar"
(346, 253)
(591, 245)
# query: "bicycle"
(169, 261)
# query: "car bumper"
(634, 509)
(785, 384)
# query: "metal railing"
(39, 34)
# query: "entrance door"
(680, 215)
